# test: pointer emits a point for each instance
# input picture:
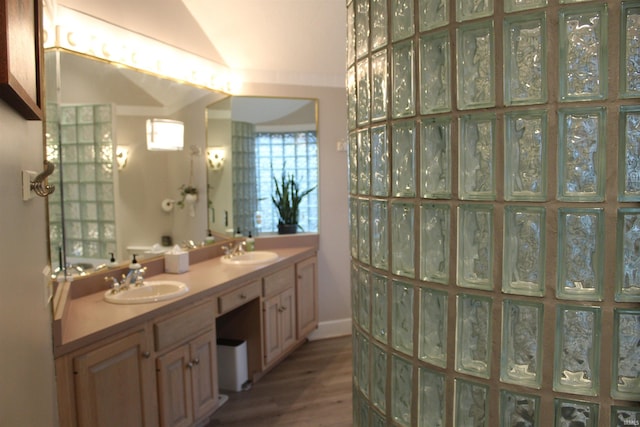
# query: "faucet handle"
(226, 249)
(115, 285)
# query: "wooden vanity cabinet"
(186, 366)
(109, 384)
(279, 314)
(306, 297)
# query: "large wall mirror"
(260, 138)
(95, 110)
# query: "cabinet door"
(271, 339)
(114, 384)
(287, 314)
(174, 388)
(204, 367)
(306, 297)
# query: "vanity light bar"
(76, 32)
(165, 135)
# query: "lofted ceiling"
(267, 41)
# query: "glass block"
(626, 355)
(86, 153)
(352, 97)
(108, 233)
(68, 134)
(353, 227)
(402, 317)
(521, 357)
(519, 409)
(69, 154)
(628, 256)
(364, 299)
(377, 420)
(401, 386)
(431, 398)
(355, 295)
(379, 234)
(351, 34)
(378, 24)
(88, 172)
(467, 10)
(581, 155)
(471, 405)
(629, 154)
(435, 229)
(380, 182)
(622, 416)
(435, 152)
(630, 51)
(577, 350)
(583, 53)
(68, 115)
(517, 5)
(401, 19)
(525, 64)
(575, 413)
(84, 114)
(85, 133)
(475, 246)
(476, 65)
(379, 377)
(402, 83)
(107, 211)
(435, 73)
(580, 253)
(473, 335)
(105, 191)
(353, 163)
(525, 150)
(362, 363)
(523, 265)
(89, 211)
(362, 27)
(403, 159)
(433, 14)
(364, 162)
(363, 113)
(379, 87)
(432, 336)
(379, 308)
(102, 114)
(477, 157)
(402, 239)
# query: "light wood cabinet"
(279, 325)
(187, 385)
(114, 384)
(306, 297)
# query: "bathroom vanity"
(155, 364)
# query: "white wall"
(333, 256)
(27, 391)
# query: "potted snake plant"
(286, 199)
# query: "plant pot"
(287, 228)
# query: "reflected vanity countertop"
(90, 318)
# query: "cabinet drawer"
(179, 328)
(279, 281)
(234, 299)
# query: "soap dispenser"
(135, 265)
(209, 238)
(112, 261)
(250, 243)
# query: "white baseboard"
(331, 329)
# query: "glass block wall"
(494, 181)
(80, 142)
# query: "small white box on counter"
(176, 262)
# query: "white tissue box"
(176, 262)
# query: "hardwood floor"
(311, 388)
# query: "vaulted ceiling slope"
(266, 41)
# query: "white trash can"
(232, 364)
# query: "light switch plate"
(27, 177)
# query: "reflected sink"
(150, 291)
(248, 258)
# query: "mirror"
(260, 137)
(93, 110)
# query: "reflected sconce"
(165, 135)
(122, 155)
(215, 157)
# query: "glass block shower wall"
(80, 143)
(494, 181)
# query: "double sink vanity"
(128, 363)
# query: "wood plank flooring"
(310, 388)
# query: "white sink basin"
(248, 258)
(150, 291)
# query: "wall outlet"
(342, 145)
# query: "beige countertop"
(89, 318)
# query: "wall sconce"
(165, 135)
(122, 155)
(215, 157)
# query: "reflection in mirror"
(93, 110)
(261, 138)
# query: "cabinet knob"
(146, 355)
(190, 365)
(196, 361)
(243, 296)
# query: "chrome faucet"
(237, 249)
(134, 277)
